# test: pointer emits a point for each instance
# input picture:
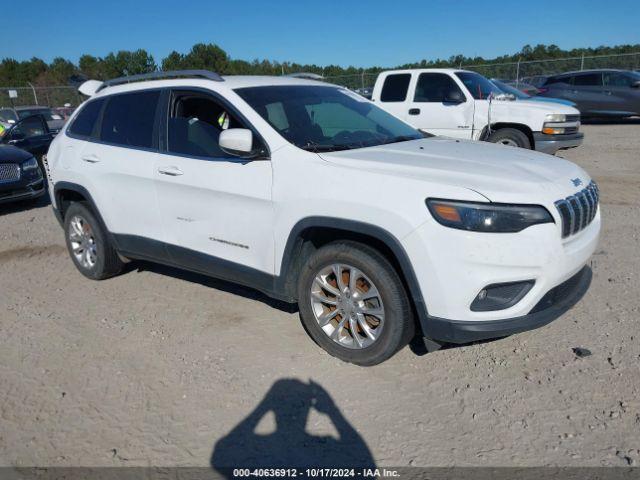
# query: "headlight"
(487, 217)
(30, 164)
(558, 124)
(555, 117)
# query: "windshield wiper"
(401, 138)
(317, 147)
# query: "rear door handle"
(414, 111)
(90, 158)
(170, 171)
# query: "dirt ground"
(158, 367)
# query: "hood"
(534, 105)
(560, 101)
(500, 173)
(11, 154)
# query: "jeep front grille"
(577, 211)
(9, 172)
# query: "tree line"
(60, 71)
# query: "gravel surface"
(159, 367)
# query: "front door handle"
(171, 171)
(414, 111)
(607, 92)
(90, 158)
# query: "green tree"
(125, 63)
(174, 61)
(92, 67)
(206, 57)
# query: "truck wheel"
(353, 303)
(89, 245)
(510, 137)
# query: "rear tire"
(89, 245)
(510, 137)
(374, 304)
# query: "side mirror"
(635, 84)
(454, 97)
(237, 142)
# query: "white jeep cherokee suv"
(312, 194)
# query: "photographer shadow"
(290, 446)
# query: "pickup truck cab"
(463, 104)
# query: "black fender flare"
(79, 189)
(367, 229)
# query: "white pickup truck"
(463, 104)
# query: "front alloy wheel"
(353, 303)
(347, 306)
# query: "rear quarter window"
(395, 87)
(85, 122)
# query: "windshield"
(512, 90)
(479, 87)
(319, 118)
(45, 112)
(7, 115)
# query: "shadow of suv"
(598, 93)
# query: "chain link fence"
(46, 96)
(59, 96)
(514, 70)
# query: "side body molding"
(283, 286)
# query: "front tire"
(510, 137)
(353, 303)
(89, 245)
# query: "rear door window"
(129, 119)
(588, 80)
(395, 87)
(85, 122)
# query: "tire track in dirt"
(21, 253)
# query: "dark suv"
(598, 93)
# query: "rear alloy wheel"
(510, 137)
(353, 303)
(83, 242)
(88, 244)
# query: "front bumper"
(452, 266)
(552, 143)
(554, 304)
(24, 189)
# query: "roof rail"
(307, 75)
(161, 75)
